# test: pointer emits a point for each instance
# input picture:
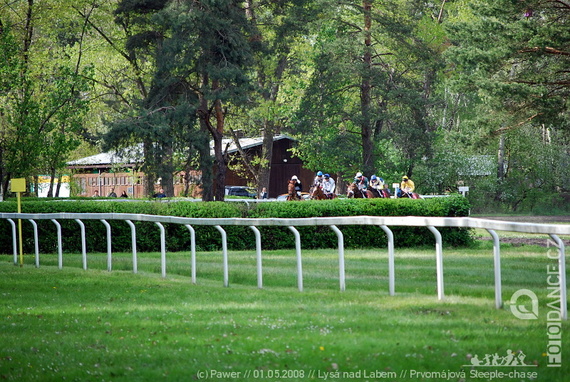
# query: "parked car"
(241, 191)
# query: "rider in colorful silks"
(329, 186)
(407, 186)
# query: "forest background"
(448, 92)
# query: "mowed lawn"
(95, 325)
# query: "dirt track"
(528, 219)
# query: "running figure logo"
(511, 359)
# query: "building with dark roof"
(121, 171)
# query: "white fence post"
(162, 249)
(59, 249)
(438, 261)
(134, 245)
(341, 274)
(299, 258)
(258, 256)
(224, 255)
(192, 252)
(14, 241)
(83, 243)
(109, 254)
(391, 266)
(497, 263)
(36, 243)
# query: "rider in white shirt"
(328, 186)
(318, 179)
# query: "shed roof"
(134, 155)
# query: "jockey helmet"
(327, 176)
(405, 177)
(294, 177)
(373, 177)
(320, 173)
(359, 175)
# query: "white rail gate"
(432, 223)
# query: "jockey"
(298, 185)
(362, 182)
(406, 186)
(318, 180)
(387, 192)
(328, 186)
(376, 183)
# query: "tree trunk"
(166, 170)
(266, 155)
(365, 95)
(501, 159)
(36, 185)
(51, 181)
(58, 187)
(221, 167)
(149, 168)
(500, 168)
(221, 162)
(206, 165)
(206, 168)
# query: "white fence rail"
(432, 223)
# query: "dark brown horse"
(374, 193)
(291, 193)
(355, 192)
(317, 193)
(379, 193)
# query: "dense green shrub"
(239, 238)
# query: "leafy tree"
(279, 31)
(200, 51)
(42, 96)
(369, 98)
(518, 86)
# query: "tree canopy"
(389, 88)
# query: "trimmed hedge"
(239, 238)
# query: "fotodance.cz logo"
(522, 311)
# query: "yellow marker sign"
(18, 185)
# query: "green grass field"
(96, 325)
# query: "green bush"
(239, 238)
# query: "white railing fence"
(432, 223)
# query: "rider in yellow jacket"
(407, 186)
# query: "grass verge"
(117, 326)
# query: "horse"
(355, 192)
(411, 195)
(317, 193)
(376, 193)
(291, 193)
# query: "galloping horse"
(379, 193)
(375, 193)
(291, 193)
(317, 193)
(355, 192)
(411, 195)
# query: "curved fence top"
(415, 221)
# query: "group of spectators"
(112, 194)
